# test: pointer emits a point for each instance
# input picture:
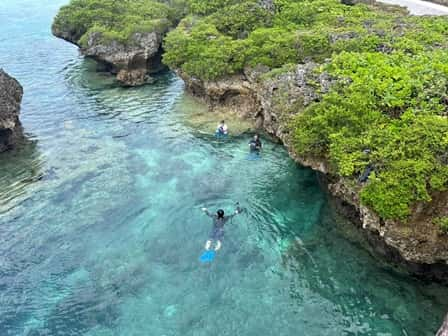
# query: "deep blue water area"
(101, 225)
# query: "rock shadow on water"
(248, 258)
(358, 286)
(73, 187)
(86, 308)
(20, 168)
(163, 251)
(211, 186)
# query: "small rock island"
(124, 36)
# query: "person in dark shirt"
(219, 219)
(255, 144)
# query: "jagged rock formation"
(126, 36)
(443, 331)
(10, 98)
(131, 62)
(271, 101)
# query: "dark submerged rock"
(11, 93)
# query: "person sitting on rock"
(222, 129)
(255, 144)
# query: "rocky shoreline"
(131, 63)
(11, 93)
(271, 102)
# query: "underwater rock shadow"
(20, 168)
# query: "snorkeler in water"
(219, 219)
(255, 144)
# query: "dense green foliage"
(116, 20)
(395, 108)
(294, 32)
(387, 109)
(442, 223)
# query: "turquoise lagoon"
(101, 228)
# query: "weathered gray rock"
(235, 94)
(133, 62)
(284, 95)
(354, 2)
(11, 93)
(443, 331)
(267, 4)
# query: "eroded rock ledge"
(132, 63)
(125, 37)
(271, 101)
(11, 93)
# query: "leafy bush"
(201, 7)
(271, 46)
(393, 108)
(195, 51)
(297, 31)
(116, 20)
(240, 19)
(442, 223)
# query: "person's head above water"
(220, 213)
(222, 122)
(256, 136)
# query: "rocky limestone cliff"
(10, 98)
(443, 331)
(271, 101)
(132, 62)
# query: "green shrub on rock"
(202, 51)
(442, 223)
(393, 106)
(387, 107)
(115, 20)
(296, 31)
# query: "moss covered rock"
(126, 35)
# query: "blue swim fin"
(207, 256)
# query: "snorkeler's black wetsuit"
(255, 145)
(218, 224)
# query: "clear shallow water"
(100, 226)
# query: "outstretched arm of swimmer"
(205, 210)
(237, 212)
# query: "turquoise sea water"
(101, 228)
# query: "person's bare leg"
(208, 244)
(218, 245)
